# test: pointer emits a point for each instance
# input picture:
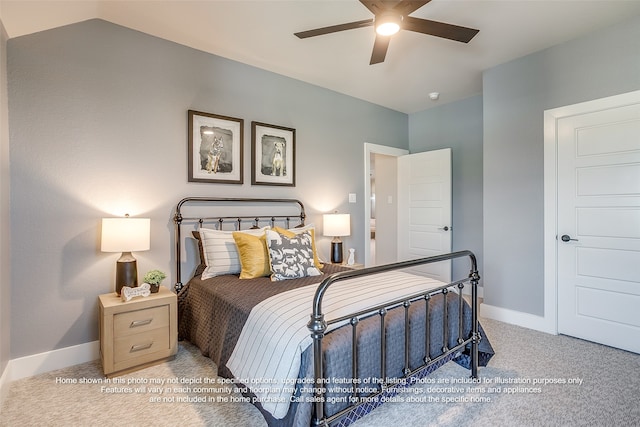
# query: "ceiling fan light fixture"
(388, 23)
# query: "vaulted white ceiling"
(260, 33)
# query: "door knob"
(445, 228)
(567, 238)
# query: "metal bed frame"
(237, 220)
(318, 325)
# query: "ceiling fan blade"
(374, 6)
(439, 29)
(406, 7)
(334, 28)
(380, 47)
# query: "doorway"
(378, 232)
(408, 208)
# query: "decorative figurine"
(139, 291)
(352, 257)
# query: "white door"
(424, 209)
(598, 226)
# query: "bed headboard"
(214, 211)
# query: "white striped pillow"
(220, 251)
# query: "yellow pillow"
(253, 254)
(293, 231)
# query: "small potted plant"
(153, 278)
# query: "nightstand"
(355, 266)
(137, 333)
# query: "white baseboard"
(28, 366)
(526, 320)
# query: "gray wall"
(515, 96)
(98, 121)
(5, 225)
(458, 126)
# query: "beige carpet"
(606, 391)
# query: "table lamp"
(336, 225)
(126, 235)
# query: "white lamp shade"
(126, 234)
(336, 225)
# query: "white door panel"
(606, 264)
(610, 180)
(609, 222)
(424, 209)
(426, 243)
(594, 303)
(599, 209)
(590, 138)
(426, 216)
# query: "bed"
(312, 349)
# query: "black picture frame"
(273, 155)
(215, 148)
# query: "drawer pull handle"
(137, 323)
(140, 347)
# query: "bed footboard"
(318, 326)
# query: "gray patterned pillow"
(291, 257)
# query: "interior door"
(599, 226)
(424, 209)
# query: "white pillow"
(220, 251)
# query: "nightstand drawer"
(139, 345)
(140, 321)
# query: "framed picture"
(215, 148)
(273, 155)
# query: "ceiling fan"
(390, 17)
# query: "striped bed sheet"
(268, 352)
